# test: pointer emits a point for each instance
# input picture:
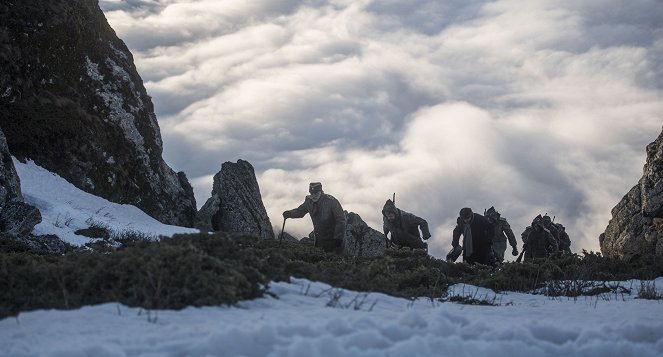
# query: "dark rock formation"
(10, 186)
(72, 101)
(44, 244)
(362, 240)
(635, 230)
(236, 205)
(17, 218)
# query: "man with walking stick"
(327, 216)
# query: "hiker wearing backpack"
(538, 242)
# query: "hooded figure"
(538, 243)
(327, 216)
(404, 227)
(477, 237)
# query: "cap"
(314, 187)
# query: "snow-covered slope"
(313, 319)
(65, 208)
(306, 318)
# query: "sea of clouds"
(530, 106)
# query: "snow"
(65, 208)
(305, 318)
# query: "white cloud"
(532, 107)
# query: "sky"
(529, 106)
(313, 319)
(305, 318)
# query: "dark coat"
(482, 236)
(405, 229)
(328, 220)
(539, 244)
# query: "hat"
(314, 187)
(466, 213)
(388, 207)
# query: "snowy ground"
(313, 319)
(65, 208)
(307, 320)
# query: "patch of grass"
(648, 291)
(216, 269)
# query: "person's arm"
(456, 235)
(298, 212)
(506, 228)
(423, 226)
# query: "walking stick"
(282, 229)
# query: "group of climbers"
(484, 239)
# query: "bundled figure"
(559, 232)
(538, 242)
(404, 227)
(477, 237)
(327, 216)
(501, 232)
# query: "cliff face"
(636, 227)
(236, 204)
(72, 101)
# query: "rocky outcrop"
(72, 101)
(636, 228)
(17, 218)
(236, 205)
(362, 240)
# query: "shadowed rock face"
(362, 240)
(72, 101)
(636, 227)
(17, 218)
(236, 204)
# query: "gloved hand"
(514, 252)
(426, 238)
(286, 214)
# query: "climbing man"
(501, 232)
(477, 237)
(327, 216)
(404, 227)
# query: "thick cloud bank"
(533, 107)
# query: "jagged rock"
(16, 217)
(236, 205)
(72, 101)
(45, 244)
(634, 231)
(10, 186)
(19, 218)
(362, 240)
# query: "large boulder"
(636, 228)
(362, 240)
(72, 101)
(236, 204)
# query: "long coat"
(482, 236)
(328, 220)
